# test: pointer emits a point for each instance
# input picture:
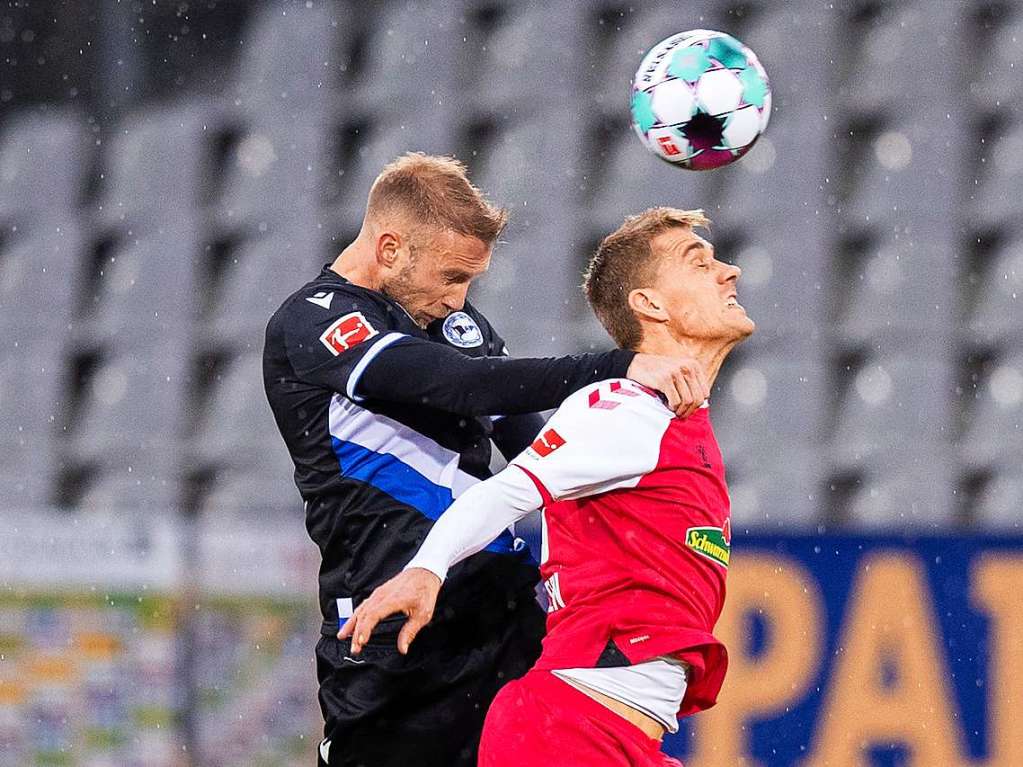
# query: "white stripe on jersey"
(362, 364)
(354, 424)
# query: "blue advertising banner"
(868, 652)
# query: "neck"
(357, 264)
(710, 353)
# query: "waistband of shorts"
(546, 682)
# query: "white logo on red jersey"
(547, 443)
(351, 330)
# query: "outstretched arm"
(479, 515)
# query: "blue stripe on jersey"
(403, 483)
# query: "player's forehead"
(679, 240)
(452, 250)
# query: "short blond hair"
(436, 192)
(625, 261)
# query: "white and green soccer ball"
(700, 99)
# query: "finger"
(408, 633)
(697, 385)
(346, 628)
(362, 633)
(668, 390)
(685, 395)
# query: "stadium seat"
(889, 64)
(775, 491)
(895, 404)
(913, 493)
(414, 52)
(146, 289)
(237, 429)
(241, 494)
(293, 57)
(628, 180)
(995, 80)
(257, 276)
(275, 169)
(384, 137)
(994, 425)
(903, 285)
(534, 57)
(999, 505)
(156, 163)
(134, 409)
(767, 406)
(997, 317)
(997, 201)
(44, 158)
(118, 490)
(40, 277)
(630, 34)
(33, 408)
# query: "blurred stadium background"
(170, 171)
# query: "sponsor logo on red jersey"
(547, 443)
(714, 543)
(351, 330)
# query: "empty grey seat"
(890, 68)
(994, 427)
(906, 285)
(905, 177)
(534, 57)
(386, 137)
(238, 430)
(248, 494)
(775, 490)
(919, 493)
(995, 79)
(999, 506)
(276, 169)
(27, 489)
(146, 293)
(43, 162)
(998, 315)
(769, 406)
(141, 489)
(134, 410)
(257, 277)
(894, 405)
(630, 35)
(293, 56)
(997, 201)
(533, 170)
(155, 163)
(412, 58)
(40, 274)
(33, 407)
(631, 179)
(784, 282)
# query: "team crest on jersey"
(714, 543)
(461, 330)
(547, 443)
(351, 330)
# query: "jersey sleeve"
(333, 346)
(605, 437)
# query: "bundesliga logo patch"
(714, 543)
(547, 443)
(351, 330)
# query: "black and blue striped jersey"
(387, 423)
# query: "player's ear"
(388, 249)
(648, 303)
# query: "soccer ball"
(700, 99)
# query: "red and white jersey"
(636, 535)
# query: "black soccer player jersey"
(387, 422)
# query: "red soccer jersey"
(636, 535)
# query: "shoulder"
(620, 396)
(319, 304)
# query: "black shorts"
(426, 708)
